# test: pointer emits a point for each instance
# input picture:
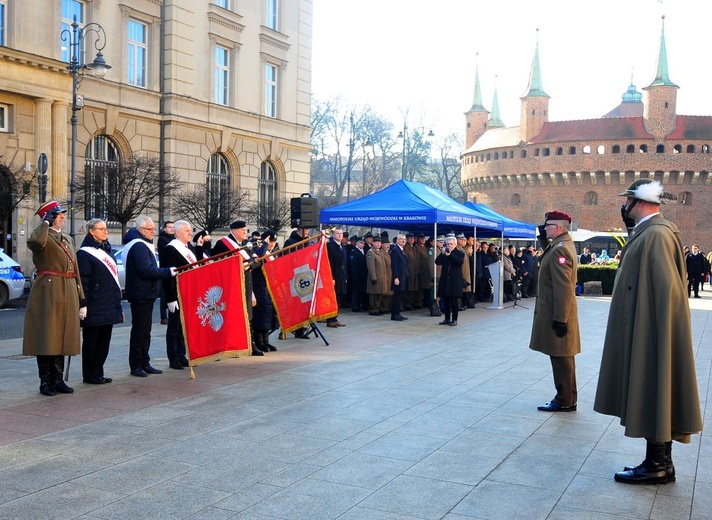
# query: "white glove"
(174, 271)
(82, 313)
(172, 306)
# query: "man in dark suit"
(337, 261)
(358, 276)
(399, 277)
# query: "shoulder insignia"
(562, 260)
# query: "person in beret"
(358, 276)
(647, 375)
(555, 330)
(238, 238)
(56, 301)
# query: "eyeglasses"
(149, 229)
(100, 229)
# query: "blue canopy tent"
(409, 205)
(510, 228)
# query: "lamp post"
(404, 135)
(77, 67)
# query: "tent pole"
(435, 270)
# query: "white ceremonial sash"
(184, 250)
(105, 259)
(127, 247)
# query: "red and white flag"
(301, 286)
(213, 311)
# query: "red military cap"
(52, 205)
(558, 215)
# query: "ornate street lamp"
(404, 135)
(77, 67)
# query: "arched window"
(643, 148)
(630, 148)
(677, 148)
(660, 148)
(591, 198)
(217, 185)
(496, 156)
(546, 152)
(572, 150)
(516, 199)
(705, 148)
(685, 198)
(586, 149)
(536, 152)
(690, 148)
(267, 194)
(101, 177)
(601, 149)
(488, 157)
(616, 149)
(559, 151)
(523, 154)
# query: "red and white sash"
(105, 259)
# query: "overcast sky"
(419, 57)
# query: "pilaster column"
(58, 180)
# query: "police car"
(12, 281)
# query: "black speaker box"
(304, 211)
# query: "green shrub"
(606, 274)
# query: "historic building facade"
(580, 166)
(220, 89)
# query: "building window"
(101, 175)
(496, 156)
(516, 199)
(138, 49)
(643, 148)
(222, 75)
(4, 118)
(685, 198)
(536, 152)
(677, 149)
(267, 194)
(690, 148)
(591, 198)
(601, 149)
(225, 4)
(488, 157)
(270, 90)
(523, 154)
(217, 185)
(572, 150)
(586, 149)
(546, 152)
(3, 22)
(559, 151)
(616, 149)
(70, 10)
(705, 148)
(272, 14)
(630, 148)
(660, 148)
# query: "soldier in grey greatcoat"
(647, 375)
(378, 280)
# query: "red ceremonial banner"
(213, 311)
(301, 286)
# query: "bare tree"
(446, 169)
(129, 191)
(274, 216)
(211, 211)
(16, 185)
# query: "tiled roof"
(692, 127)
(627, 110)
(603, 129)
(496, 138)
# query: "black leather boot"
(266, 343)
(651, 471)
(45, 372)
(59, 385)
(669, 466)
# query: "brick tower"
(660, 98)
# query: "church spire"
(661, 75)
(495, 121)
(477, 98)
(535, 88)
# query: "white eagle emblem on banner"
(210, 309)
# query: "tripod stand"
(517, 294)
(312, 328)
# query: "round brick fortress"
(580, 167)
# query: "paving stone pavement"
(391, 421)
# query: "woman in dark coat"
(102, 291)
(451, 281)
(264, 317)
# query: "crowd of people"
(648, 332)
